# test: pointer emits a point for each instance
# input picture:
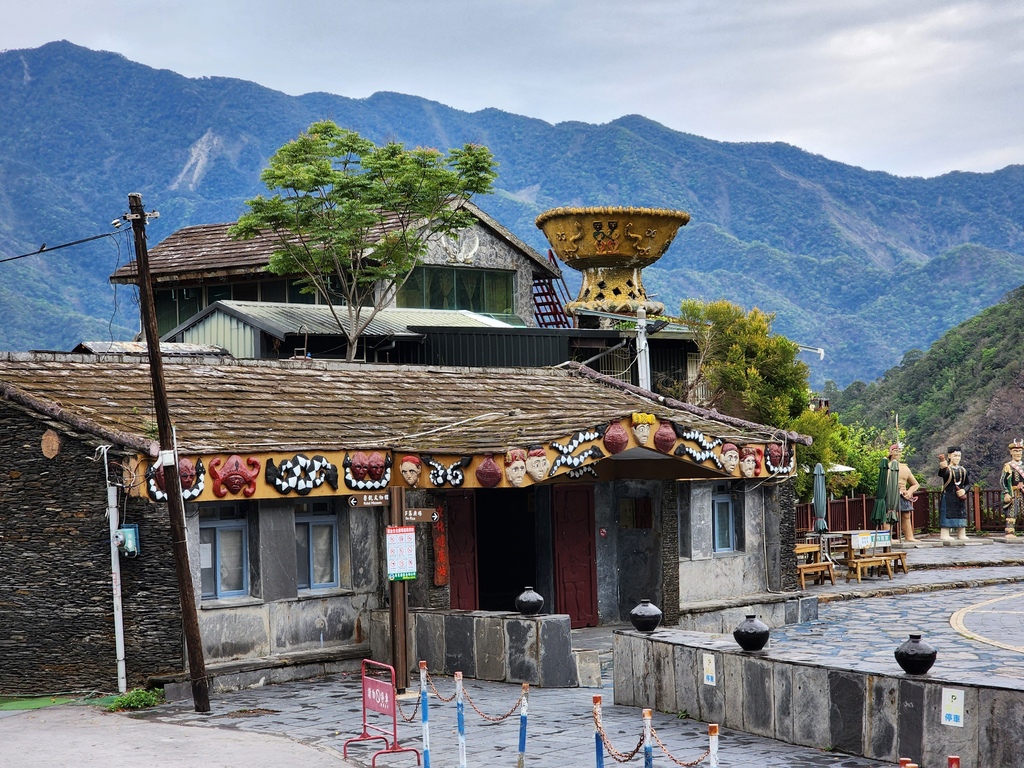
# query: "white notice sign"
(953, 707)
(709, 669)
(401, 547)
(206, 556)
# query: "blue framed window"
(316, 546)
(723, 519)
(224, 551)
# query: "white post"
(643, 355)
(115, 576)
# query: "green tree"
(354, 219)
(748, 371)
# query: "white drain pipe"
(115, 574)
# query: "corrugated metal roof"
(260, 405)
(280, 320)
(139, 348)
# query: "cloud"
(911, 88)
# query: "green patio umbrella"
(820, 500)
(878, 514)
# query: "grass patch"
(36, 702)
(138, 698)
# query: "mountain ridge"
(842, 254)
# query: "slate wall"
(56, 605)
(877, 714)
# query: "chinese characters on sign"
(401, 550)
(953, 707)
(709, 669)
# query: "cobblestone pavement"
(975, 628)
(560, 731)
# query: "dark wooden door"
(464, 587)
(575, 554)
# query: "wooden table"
(863, 550)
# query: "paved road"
(305, 723)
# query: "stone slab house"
(594, 492)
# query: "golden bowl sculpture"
(611, 246)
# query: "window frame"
(218, 525)
(720, 494)
(317, 514)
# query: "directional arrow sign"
(378, 499)
(416, 515)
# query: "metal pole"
(523, 711)
(424, 714)
(598, 745)
(172, 487)
(460, 716)
(713, 744)
(648, 744)
(115, 578)
(399, 607)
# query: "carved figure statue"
(1012, 482)
(905, 486)
(515, 466)
(953, 505)
(411, 468)
(537, 462)
(750, 461)
(642, 427)
(730, 458)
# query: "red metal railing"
(984, 512)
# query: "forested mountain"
(967, 390)
(864, 264)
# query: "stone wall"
(485, 645)
(878, 715)
(56, 604)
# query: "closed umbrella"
(820, 503)
(878, 514)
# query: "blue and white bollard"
(598, 744)
(424, 719)
(523, 711)
(648, 744)
(460, 712)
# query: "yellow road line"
(957, 622)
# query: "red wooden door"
(575, 554)
(462, 551)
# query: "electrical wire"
(46, 249)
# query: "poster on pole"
(401, 550)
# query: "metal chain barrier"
(674, 759)
(469, 698)
(620, 757)
(401, 711)
(437, 693)
(488, 717)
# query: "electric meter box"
(129, 539)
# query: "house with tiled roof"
(595, 492)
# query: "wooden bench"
(897, 557)
(857, 565)
(819, 570)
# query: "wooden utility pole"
(175, 506)
(399, 604)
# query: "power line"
(46, 249)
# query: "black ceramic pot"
(751, 633)
(529, 602)
(645, 617)
(915, 656)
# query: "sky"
(911, 87)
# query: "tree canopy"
(749, 371)
(353, 219)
